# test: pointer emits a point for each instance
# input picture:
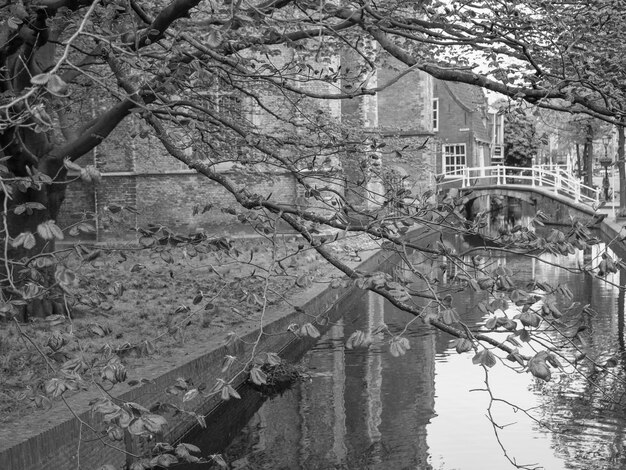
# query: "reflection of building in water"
(374, 367)
(362, 409)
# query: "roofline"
(456, 99)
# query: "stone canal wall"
(612, 230)
(59, 439)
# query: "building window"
(435, 114)
(454, 158)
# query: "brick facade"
(462, 119)
(138, 173)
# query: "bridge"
(525, 183)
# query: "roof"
(470, 97)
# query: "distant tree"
(522, 140)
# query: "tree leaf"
(40, 79)
(48, 230)
(136, 427)
(309, 330)
(214, 39)
(191, 394)
(491, 322)
(26, 239)
(154, 423)
(538, 367)
(258, 376)
(13, 22)
(462, 345)
(399, 346)
(484, 357)
(56, 85)
(70, 165)
(529, 319)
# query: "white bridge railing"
(553, 178)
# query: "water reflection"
(426, 410)
(362, 409)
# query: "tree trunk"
(580, 170)
(622, 169)
(588, 156)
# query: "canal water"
(427, 409)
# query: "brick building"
(139, 175)
(462, 126)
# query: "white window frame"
(435, 114)
(453, 160)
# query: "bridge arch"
(560, 209)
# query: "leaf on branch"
(228, 391)
(524, 335)
(136, 427)
(154, 423)
(462, 345)
(309, 330)
(272, 359)
(258, 376)
(529, 319)
(70, 165)
(64, 276)
(399, 346)
(507, 323)
(90, 174)
(214, 39)
(56, 86)
(28, 207)
(56, 387)
(14, 23)
(538, 367)
(485, 358)
(26, 239)
(227, 362)
(40, 79)
(188, 448)
(49, 230)
(491, 323)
